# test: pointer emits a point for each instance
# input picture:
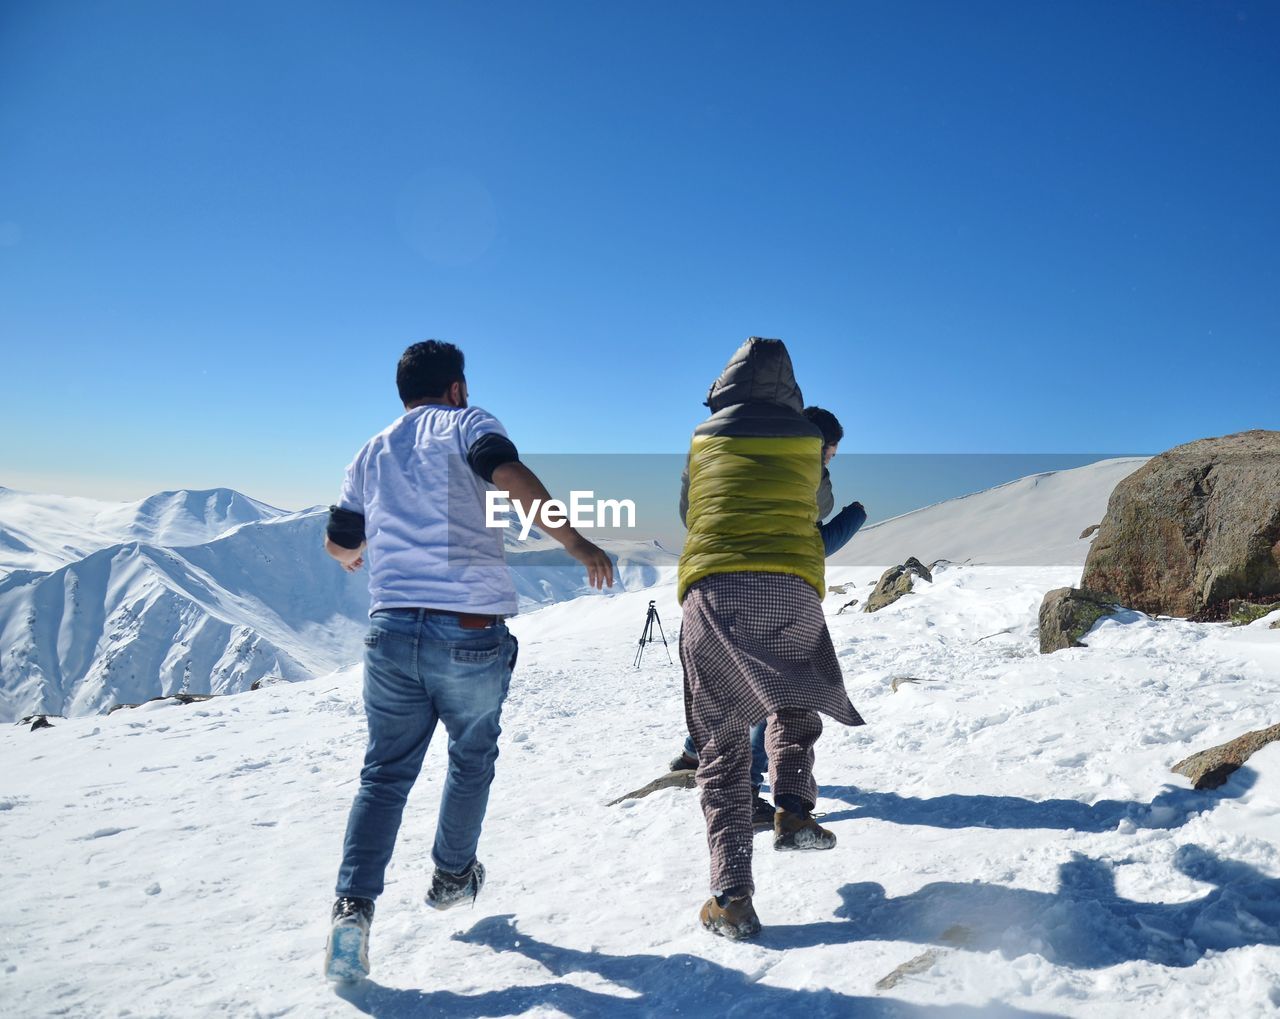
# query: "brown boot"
(736, 920)
(800, 831)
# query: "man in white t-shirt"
(413, 507)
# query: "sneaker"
(448, 890)
(800, 831)
(735, 920)
(761, 814)
(346, 956)
(683, 763)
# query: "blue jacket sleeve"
(837, 531)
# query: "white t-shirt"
(424, 510)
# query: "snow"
(1034, 521)
(1012, 841)
(211, 591)
(253, 597)
(42, 532)
(1012, 811)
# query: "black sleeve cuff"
(489, 452)
(346, 527)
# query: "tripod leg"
(664, 637)
(645, 637)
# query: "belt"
(467, 620)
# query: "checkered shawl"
(752, 644)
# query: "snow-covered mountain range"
(199, 592)
(43, 532)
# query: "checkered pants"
(724, 775)
(754, 645)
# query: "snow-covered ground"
(1034, 521)
(1013, 811)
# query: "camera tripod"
(647, 637)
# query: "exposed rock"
(671, 780)
(1067, 614)
(838, 588)
(1091, 529)
(181, 698)
(1194, 528)
(915, 566)
(957, 935)
(847, 605)
(1242, 613)
(39, 721)
(921, 963)
(898, 681)
(1275, 625)
(262, 682)
(1210, 768)
(895, 582)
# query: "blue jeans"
(759, 759)
(420, 669)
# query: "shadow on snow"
(649, 985)
(1083, 924)
(1171, 809)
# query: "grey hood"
(759, 372)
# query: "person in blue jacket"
(836, 533)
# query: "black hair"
(827, 424)
(427, 370)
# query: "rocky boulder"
(1211, 768)
(1242, 613)
(895, 582)
(1067, 614)
(1194, 528)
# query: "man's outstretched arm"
(344, 538)
(525, 488)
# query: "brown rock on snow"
(1210, 768)
(1067, 614)
(895, 582)
(1193, 528)
(671, 780)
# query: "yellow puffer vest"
(750, 501)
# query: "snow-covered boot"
(683, 763)
(800, 831)
(346, 956)
(735, 920)
(450, 889)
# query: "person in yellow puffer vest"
(753, 641)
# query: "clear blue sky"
(980, 227)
